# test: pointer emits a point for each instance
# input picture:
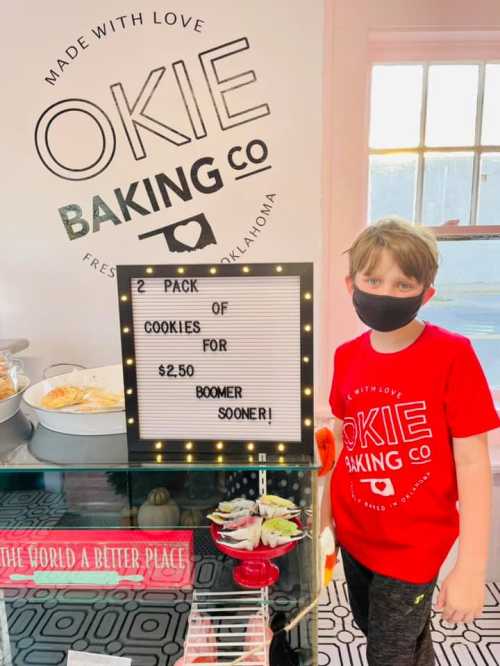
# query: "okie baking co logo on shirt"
(130, 124)
(382, 443)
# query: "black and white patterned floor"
(475, 644)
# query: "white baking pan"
(109, 422)
(9, 406)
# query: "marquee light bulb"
(250, 446)
(129, 391)
(279, 269)
(246, 269)
(158, 445)
(124, 297)
(149, 270)
(189, 446)
(306, 359)
(219, 446)
(213, 270)
(130, 361)
(131, 421)
(308, 328)
(180, 270)
(308, 296)
(126, 329)
(307, 391)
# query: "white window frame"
(431, 48)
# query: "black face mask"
(385, 313)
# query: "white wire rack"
(225, 625)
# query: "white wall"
(50, 290)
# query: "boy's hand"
(461, 598)
(328, 554)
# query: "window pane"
(395, 106)
(468, 298)
(451, 105)
(491, 111)
(489, 190)
(447, 188)
(392, 186)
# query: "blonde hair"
(414, 249)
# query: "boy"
(412, 409)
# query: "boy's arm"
(462, 593)
(326, 507)
(338, 426)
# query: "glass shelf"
(40, 449)
(208, 464)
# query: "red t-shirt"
(394, 488)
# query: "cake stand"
(256, 568)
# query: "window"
(435, 159)
(435, 146)
(467, 298)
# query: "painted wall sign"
(96, 558)
(218, 358)
(164, 135)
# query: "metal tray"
(63, 449)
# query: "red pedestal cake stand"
(256, 569)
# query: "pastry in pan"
(81, 399)
(96, 399)
(6, 388)
(62, 396)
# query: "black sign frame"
(196, 450)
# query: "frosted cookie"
(279, 531)
(270, 506)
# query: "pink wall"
(349, 31)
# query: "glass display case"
(49, 509)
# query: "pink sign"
(96, 558)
